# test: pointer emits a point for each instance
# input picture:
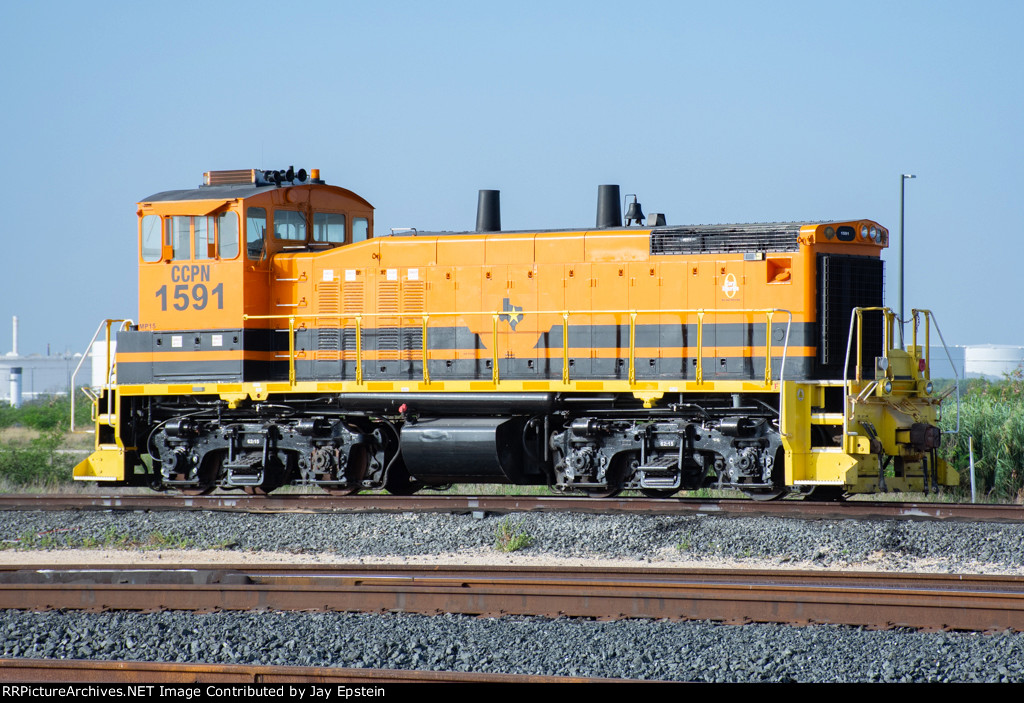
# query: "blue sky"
(711, 112)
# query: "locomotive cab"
(207, 271)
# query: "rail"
(857, 598)
(88, 353)
(496, 316)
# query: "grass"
(110, 539)
(993, 414)
(511, 536)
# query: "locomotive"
(281, 340)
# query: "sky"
(712, 112)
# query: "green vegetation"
(511, 537)
(48, 413)
(110, 539)
(31, 440)
(993, 414)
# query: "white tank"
(992, 360)
(100, 363)
(15, 386)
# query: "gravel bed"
(694, 651)
(892, 544)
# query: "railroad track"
(136, 672)
(508, 504)
(871, 599)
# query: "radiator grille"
(846, 282)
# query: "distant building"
(25, 378)
(41, 376)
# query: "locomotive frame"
(654, 358)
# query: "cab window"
(360, 229)
(227, 235)
(255, 227)
(328, 227)
(151, 240)
(177, 230)
(290, 225)
(203, 236)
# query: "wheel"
(198, 491)
(257, 490)
(826, 494)
(621, 465)
(659, 492)
(766, 495)
(355, 472)
(609, 492)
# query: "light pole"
(903, 182)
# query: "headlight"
(887, 386)
(830, 232)
(863, 231)
(876, 236)
(928, 388)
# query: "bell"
(633, 213)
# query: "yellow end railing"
(105, 325)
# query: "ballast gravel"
(691, 651)
(890, 544)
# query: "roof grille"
(726, 239)
(245, 176)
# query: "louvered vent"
(387, 327)
(330, 327)
(726, 239)
(352, 302)
(413, 303)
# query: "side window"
(177, 230)
(203, 236)
(360, 229)
(151, 238)
(255, 227)
(289, 224)
(227, 235)
(328, 227)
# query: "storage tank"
(100, 364)
(992, 361)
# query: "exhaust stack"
(488, 211)
(609, 209)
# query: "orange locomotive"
(281, 341)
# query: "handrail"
(856, 320)
(929, 318)
(88, 352)
(769, 314)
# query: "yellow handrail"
(494, 351)
(110, 366)
(700, 346)
(856, 322)
(359, 349)
(291, 350)
(565, 347)
(927, 339)
(426, 372)
(496, 316)
(632, 348)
